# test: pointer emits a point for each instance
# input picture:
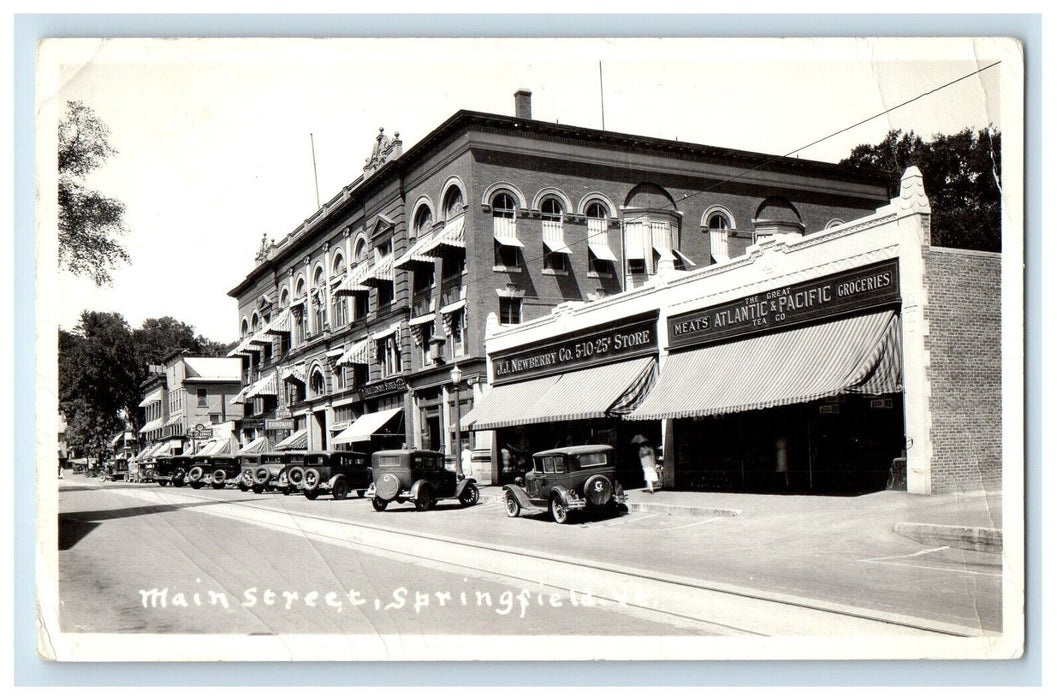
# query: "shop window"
(201, 398)
(509, 309)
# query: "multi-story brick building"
(354, 323)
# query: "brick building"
(353, 324)
(845, 360)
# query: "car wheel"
(340, 490)
(197, 484)
(379, 504)
(178, 479)
(258, 488)
(310, 495)
(512, 505)
(558, 510)
(469, 495)
(243, 486)
(423, 501)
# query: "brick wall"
(965, 373)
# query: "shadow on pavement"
(76, 525)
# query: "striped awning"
(256, 446)
(353, 282)
(174, 419)
(155, 396)
(241, 348)
(861, 354)
(390, 330)
(595, 392)
(357, 355)
(295, 441)
(282, 324)
(261, 337)
(263, 387)
(416, 253)
(363, 429)
(240, 397)
(554, 237)
(152, 425)
(453, 235)
(215, 448)
(451, 308)
(294, 373)
(506, 232)
(143, 454)
(382, 272)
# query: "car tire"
(470, 495)
(258, 488)
(243, 486)
(340, 489)
(423, 501)
(178, 479)
(310, 495)
(558, 510)
(512, 505)
(295, 476)
(379, 504)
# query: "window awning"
(263, 387)
(602, 251)
(352, 283)
(554, 237)
(453, 235)
(363, 429)
(451, 308)
(295, 441)
(861, 354)
(506, 232)
(634, 242)
(595, 392)
(143, 454)
(294, 373)
(240, 396)
(422, 319)
(357, 355)
(382, 272)
(174, 419)
(390, 330)
(282, 324)
(155, 396)
(256, 446)
(152, 425)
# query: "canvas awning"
(256, 446)
(152, 425)
(453, 235)
(358, 354)
(155, 396)
(282, 324)
(240, 396)
(295, 441)
(554, 237)
(382, 272)
(214, 448)
(506, 232)
(174, 419)
(143, 454)
(294, 373)
(860, 354)
(263, 387)
(595, 392)
(352, 283)
(363, 429)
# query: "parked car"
(272, 471)
(568, 479)
(172, 470)
(419, 476)
(339, 473)
(216, 471)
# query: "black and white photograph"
(505, 349)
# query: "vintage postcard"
(528, 349)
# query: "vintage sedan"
(339, 473)
(218, 471)
(568, 479)
(420, 476)
(272, 471)
(172, 470)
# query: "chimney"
(522, 103)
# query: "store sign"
(588, 348)
(200, 432)
(388, 386)
(271, 424)
(863, 287)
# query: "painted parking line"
(909, 556)
(628, 520)
(934, 568)
(700, 522)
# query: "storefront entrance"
(844, 445)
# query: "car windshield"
(594, 459)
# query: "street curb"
(979, 539)
(663, 508)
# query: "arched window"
(361, 250)
(320, 313)
(453, 204)
(337, 263)
(719, 222)
(254, 321)
(422, 221)
(243, 327)
(284, 298)
(601, 257)
(317, 382)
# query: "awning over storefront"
(215, 448)
(256, 446)
(453, 235)
(143, 454)
(859, 355)
(366, 426)
(155, 396)
(596, 392)
(295, 441)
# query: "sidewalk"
(969, 521)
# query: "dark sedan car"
(568, 479)
(419, 476)
(339, 473)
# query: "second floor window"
(340, 315)
(509, 309)
(389, 356)
(201, 398)
(317, 383)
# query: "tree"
(89, 222)
(961, 175)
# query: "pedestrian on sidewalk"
(648, 460)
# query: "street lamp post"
(455, 378)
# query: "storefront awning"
(240, 396)
(859, 355)
(295, 441)
(174, 419)
(595, 392)
(214, 448)
(143, 454)
(363, 429)
(256, 446)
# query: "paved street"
(144, 558)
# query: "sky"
(214, 148)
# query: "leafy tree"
(89, 222)
(961, 174)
